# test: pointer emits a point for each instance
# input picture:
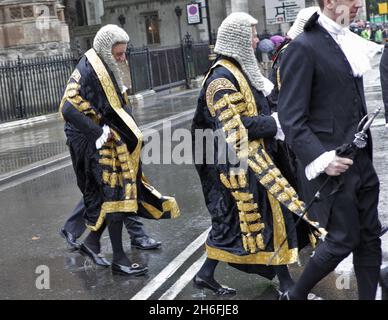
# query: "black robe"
(246, 210)
(111, 178)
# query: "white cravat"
(357, 50)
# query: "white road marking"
(181, 283)
(171, 268)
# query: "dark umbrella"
(266, 46)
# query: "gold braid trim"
(215, 86)
(258, 160)
(244, 86)
(108, 152)
(169, 204)
(74, 98)
(113, 207)
(112, 179)
(115, 103)
(250, 223)
(242, 196)
(262, 257)
(278, 78)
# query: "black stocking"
(285, 280)
(92, 241)
(115, 228)
(207, 272)
(318, 267)
(367, 280)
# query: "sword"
(347, 150)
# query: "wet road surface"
(47, 140)
(34, 209)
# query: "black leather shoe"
(70, 239)
(145, 243)
(284, 295)
(97, 258)
(221, 290)
(134, 270)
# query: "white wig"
(234, 39)
(303, 16)
(104, 40)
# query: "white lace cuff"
(279, 133)
(268, 87)
(104, 137)
(315, 168)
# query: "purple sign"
(193, 10)
(194, 13)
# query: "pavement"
(38, 191)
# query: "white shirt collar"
(331, 26)
(356, 49)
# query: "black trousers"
(76, 223)
(354, 226)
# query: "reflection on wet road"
(47, 140)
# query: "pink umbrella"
(277, 40)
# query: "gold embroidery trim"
(244, 87)
(114, 163)
(261, 257)
(113, 207)
(248, 228)
(112, 179)
(249, 217)
(72, 96)
(168, 205)
(242, 196)
(108, 152)
(115, 103)
(215, 86)
(259, 161)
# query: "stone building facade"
(32, 28)
(155, 23)
(84, 20)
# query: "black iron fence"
(163, 68)
(34, 87)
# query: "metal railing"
(163, 68)
(34, 87)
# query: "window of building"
(152, 28)
(81, 13)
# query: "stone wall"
(31, 29)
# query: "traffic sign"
(282, 11)
(194, 15)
